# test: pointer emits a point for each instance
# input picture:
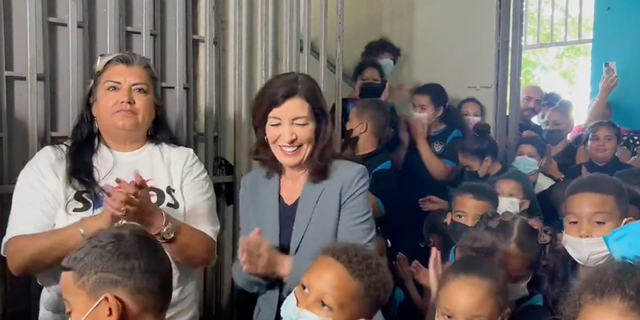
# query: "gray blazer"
(336, 209)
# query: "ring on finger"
(123, 211)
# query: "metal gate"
(211, 56)
(49, 48)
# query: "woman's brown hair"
(273, 94)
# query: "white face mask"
(387, 65)
(518, 290)
(508, 204)
(471, 121)
(290, 310)
(95, 305)
(589, 252)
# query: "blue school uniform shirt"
(415, 182)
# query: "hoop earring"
(265, 139)
(95, 125)
(149, 132)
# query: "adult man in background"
(530, 103)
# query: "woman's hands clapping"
(259, 258)
(131, 202)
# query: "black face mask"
(553, 137)
(350, 143)
(372, 90)
(472, 176)
(457, 230)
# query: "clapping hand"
(419, 127)
(435, 271)
(550, 167)
(430, 277)
(420, 274)
(402, 266)
(399, 94)
(132, 202)
(256, 255)
(433, 203)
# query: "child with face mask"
(596, 207)
(530, 153)
(368, 129)
(610, 291)
(387, 55)
(415, 277)
(347, 281)
(516, 195)
(596, 229)
(524, 250)
(427, 159)
(469, 202)
(471, 288)
(120, 273)
(472, 110)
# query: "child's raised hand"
(420, 273)
(435, 271)
(402, 266)
(433, 203)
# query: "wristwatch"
(167, 231)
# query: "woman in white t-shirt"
(122, 163)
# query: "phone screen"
(609, 68)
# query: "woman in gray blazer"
(301, 199)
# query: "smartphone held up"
(609, 68)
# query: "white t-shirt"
(43, 200)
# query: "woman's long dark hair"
(83, 142)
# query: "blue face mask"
(290, 310)
(526, 165)
(623, 243)
(387, 66)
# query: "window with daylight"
(557, 49)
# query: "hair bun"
(482, 129)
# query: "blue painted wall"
(616, 37)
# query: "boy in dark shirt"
(367, 131)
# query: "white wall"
(362, 23)
(451, 42)
(329, 80)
